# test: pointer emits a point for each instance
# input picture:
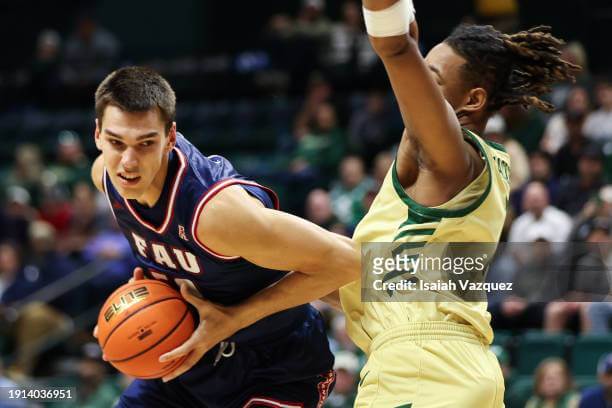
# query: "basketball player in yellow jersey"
(446, 185)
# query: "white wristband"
(394, 20)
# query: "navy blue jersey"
(163, 238)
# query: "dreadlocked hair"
(515, 69)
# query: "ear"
(171, 137)
(97, 135)
(476, 100)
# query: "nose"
(129, 160)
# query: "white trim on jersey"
(216, 188)
(170, 209)
(268, 402)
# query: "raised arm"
(429, 119)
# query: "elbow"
(390, 47)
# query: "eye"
(147, 143)
(115, 142)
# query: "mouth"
(128, 179)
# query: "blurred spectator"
(369, 128)
(566, 158)
(319, 91)
(6, 382)
(71, 165)
(540, 169)
(322, 147)
(349, 53)
(43, 266)
(533, 269)
(27, 172)
(16, 215)
(599, 206)
(339, 337)
(557, 132)
(496, 132)
(45, 79)
(540, 219)
(56, 209)
(524, 125)
(553, 386)
(345, 390)
(599, 315)
(35, 323)
(598, 126)
(574, 192)
(109, 246)
(319, 211)
(575, 53)
(90, 52)
(590, 276)
(85, 220)
(348, 193)
(382, 163)
(95, 389)
(588, 281)
(600, 396)
(312, 22)
(10, 267)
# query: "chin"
(129, 194)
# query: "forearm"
(298, 288)
(293, 290)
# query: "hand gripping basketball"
(216, 325)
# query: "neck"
(150, 197)
(473, 124)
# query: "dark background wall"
(170, 28)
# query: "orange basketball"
(141, 321)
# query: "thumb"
(138, 273)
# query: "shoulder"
(97, 173)
(229, 216)
(231, 207)
(557, 214)
(592, 392)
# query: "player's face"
(135, 148)
(445, 65)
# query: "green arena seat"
(587, 351)
(534, 347)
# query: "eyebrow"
(436, 71)
(140, 137)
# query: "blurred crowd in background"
(316, 121)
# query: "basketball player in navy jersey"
(194, 222)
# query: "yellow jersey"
(476, 214)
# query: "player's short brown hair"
(137, 89)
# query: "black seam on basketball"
(132, 314)
(158, 341)
(147, 281)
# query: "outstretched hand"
(216, 324)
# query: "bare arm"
(235, 224)
(428, 117)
